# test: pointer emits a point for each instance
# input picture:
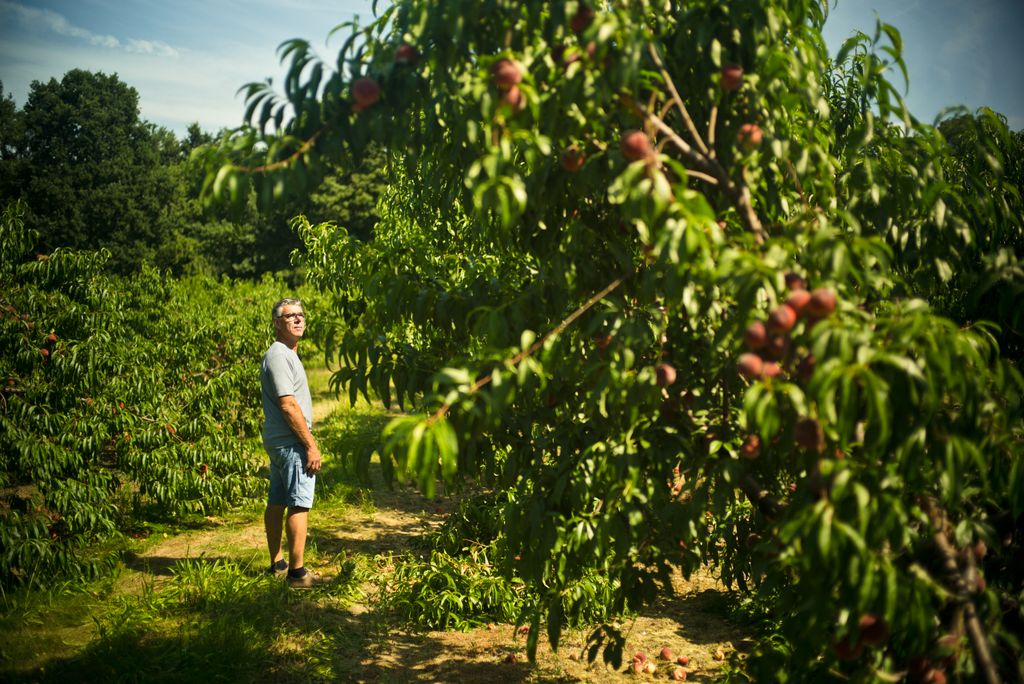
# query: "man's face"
(291, 323)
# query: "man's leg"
(297, 520)
(273, 522)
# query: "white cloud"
(52, 21)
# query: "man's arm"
(297, 422)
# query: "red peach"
(750, 135)
(750, 366)
(406, 54)
(635, 145)
(782, 319)
(731, 77)
(756, 335)
(366, 91)
(506, 74)
(822, 303)
(572, 159)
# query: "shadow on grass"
(220, 626)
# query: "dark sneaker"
(278, 569)
(304, 582)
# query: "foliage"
(90, 169)
(565, 301)
(459, 583)
(123, 400)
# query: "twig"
(975, 630)
(687, 119)
(303, 148)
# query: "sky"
(188, 58)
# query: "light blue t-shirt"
(281, 374)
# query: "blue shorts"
(290, 484)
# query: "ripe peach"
(513, 99)
(582, 19)
(805, 367)
(683, 660)
(635, 145)
(750, 366)
(822, 302)
(771, 369)
(731, 77)
(679, 674)
(666, 654)
(807, 434)
(847, 650)
(782, 319)
(874, 631)
(776, 347)
(366, 91)
(798, 301)
(751, 448)
(406, 54)
(666, 374)
(795, 281)
(750, 135)
(45, 352)
(572, 159)
(506, 74)
(51, 338)
(756, 335)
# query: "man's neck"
(290, 342)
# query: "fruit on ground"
(683, 660)
(406, 54)
(750, 366)
(807, 434)
(635, 145)
(756, 335)
(822, 302)
(506, 74)
(782, 319)
(731, 77)
(666, 374)
(679, 674)
(874, 631)
(751, 448)
(666, 654)
(750, 135)
(798, 301)
(572, 159)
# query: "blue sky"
(187, 58)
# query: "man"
(294, 456)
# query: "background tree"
(90, 170)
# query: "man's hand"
(313, 460)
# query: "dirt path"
(691, 623)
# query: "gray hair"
(276, 311)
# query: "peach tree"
(124, 400)
(689, 292)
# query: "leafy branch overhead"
(821, 333)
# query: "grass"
(191, 602)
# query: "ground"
(327, 633)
